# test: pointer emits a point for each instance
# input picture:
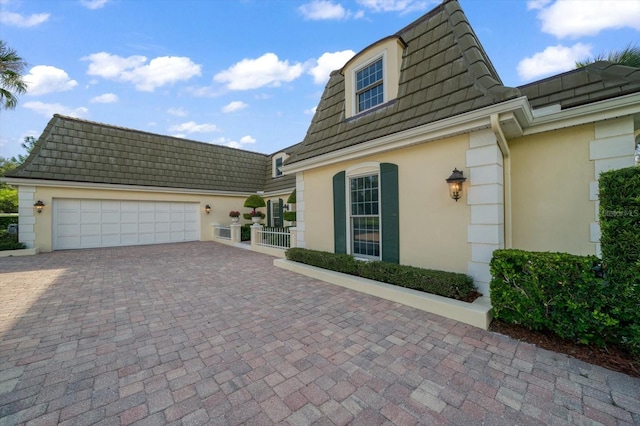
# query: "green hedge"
(5, 221)
(559, 292)
(447, 284)
(581, 297)
(9, 242)
(619, 193)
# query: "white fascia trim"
(597, 111)
(463, 123)
(279, 193)
(108, 186)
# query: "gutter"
(506, 159)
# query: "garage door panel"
(107, 223)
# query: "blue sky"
(249, 73)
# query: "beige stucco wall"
(433, 227)
(550, 177)
(220, 207)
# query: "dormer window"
(370, 86)
(371, 78)
(277, 162)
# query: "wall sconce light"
(39, 206)
(455, 184)
(207, 208)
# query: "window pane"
(365, 221)
(366, 236)
(369, 86)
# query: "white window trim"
(361, 170)
(277, 156)
(385, 85)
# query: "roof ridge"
(479, 65)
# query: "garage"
(88, 223)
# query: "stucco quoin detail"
(613, 148)
(27, 218)
(485, 196)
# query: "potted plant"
(254, 201)
(234, 215)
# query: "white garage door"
(107, 223)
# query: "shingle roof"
(445, 72)
(595, 82)
(284, 182)
(70, 149)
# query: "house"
(370, 175)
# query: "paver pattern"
(203, 333)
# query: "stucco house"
(370, 174)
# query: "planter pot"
(235, 219)
(256, 219)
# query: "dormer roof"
(444, 72)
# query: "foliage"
(447, 284)
(245, 232)
(28, 144)
(8, 242)
(629, 56)
(289, 216)
(5, 221)
(8, 195)
(560, 292)
(619, 193)
(12, 69)
(254, 201)
(292, 198)
(234, 213)
(257, 213)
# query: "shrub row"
(5, 221)
(441, 283)
(559, 292)
(619, 194)
(8, 242)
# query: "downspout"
(506, 158)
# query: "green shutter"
(269, 213)
(389, 215)
(339, 214)
(280, 212)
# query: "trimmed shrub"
(245, 232)
(559, 292)
(5, 221)
(292, 198)
(441, 283)
(619, 193)
(9, 242)
(289, 216)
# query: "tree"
(8, 195)
(28, 144)
(12, 68)
(629, 56)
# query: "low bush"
(5, 221)
(9, 242)
(245, 232)
(441, 283)
(558, 292)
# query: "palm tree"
(11, 82)
(629, 56)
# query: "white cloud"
(537, 4)
(552, 60)
(193, 127)
(178, 112)
(106, 98)
(94, 4)
(329, 62)
(311, 111)
(234, 106)
(245, 140)
(266, 70)
(17, 20)
(317, 10)
(576, 18)
(43, 79)
(146, 77)
(49, 109)
(403, 6)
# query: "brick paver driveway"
(201, 333)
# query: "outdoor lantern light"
(207, 208)
(455, 184)
(39, 205)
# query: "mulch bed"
(613, 358)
